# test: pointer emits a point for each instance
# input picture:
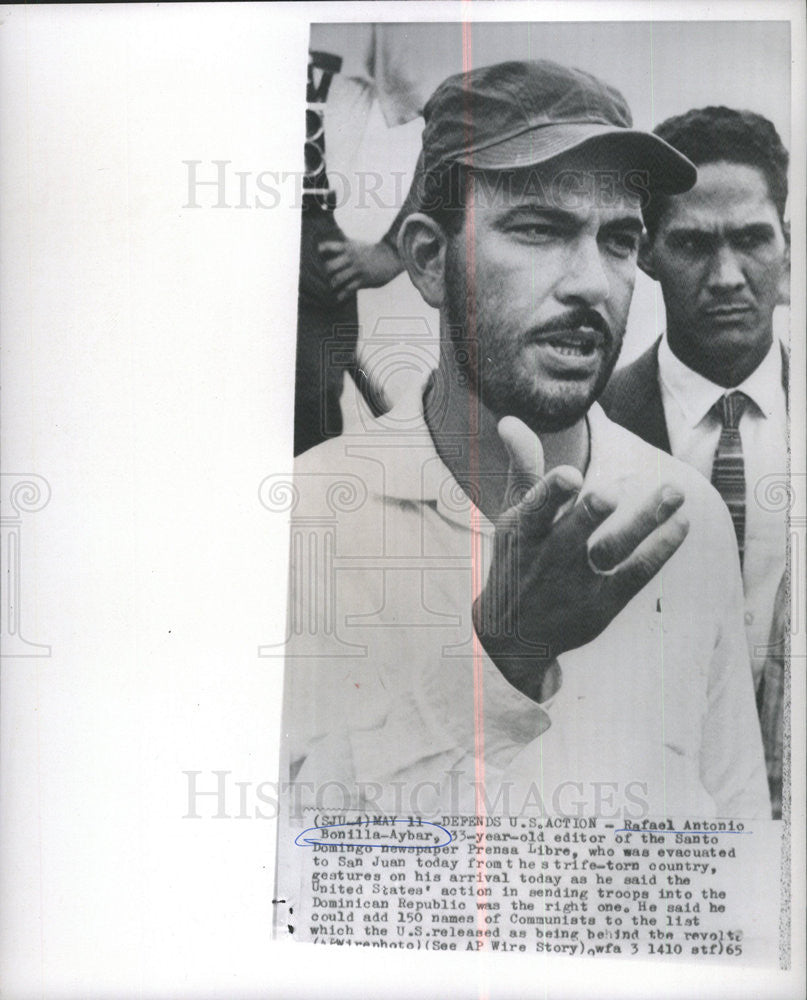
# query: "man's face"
(539, 282)
(720, 254)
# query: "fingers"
(647, 559)
(523, 447)
(533, 499)
(539, 508)
(339, 267)
(345, 291)
(336, 256)
(533, 516)
(328, 248)
(526, 462)
(622, 535)
(586, 516)
(338, 264)
(342, 274)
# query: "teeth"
(573, 350)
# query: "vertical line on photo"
(467, 42)
(328, 608)
(661, 656)
(297, 592)
(313, 593)
(652, 83)
(475, 525)
(661, 574)
(541, 781)
(792, 569)
(656, 287)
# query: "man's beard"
(491, 364)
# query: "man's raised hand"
(558, 577)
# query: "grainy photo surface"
(403, 509)
(536, 654)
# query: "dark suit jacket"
(632, 398)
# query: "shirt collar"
(414, 471)
(764, 384)
(696, 395)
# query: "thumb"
(526, 458)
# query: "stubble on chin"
(511, 392)
(492, 365)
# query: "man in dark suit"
(713, 389)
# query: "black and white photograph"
(403, 499)
(532, 578)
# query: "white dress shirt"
(694, 431)
(392, 704)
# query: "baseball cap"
(521, 114)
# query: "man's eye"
(748, 241)
(623, 244)
(535, 231)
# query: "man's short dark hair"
(709, 135)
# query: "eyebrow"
(536, 208)
(631, 222)
(752, 229)
(561, 215)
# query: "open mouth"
(571, 350)
(580, 343)
(571, 353)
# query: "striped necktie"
(728, 468)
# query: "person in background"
(712, 390)
(351, 67)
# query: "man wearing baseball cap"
(517, 605)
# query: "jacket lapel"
(633, 399)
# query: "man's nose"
(725, 272)
(584, 278)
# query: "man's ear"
(646, 256)
(422, 248)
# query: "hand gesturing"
(556, 582)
